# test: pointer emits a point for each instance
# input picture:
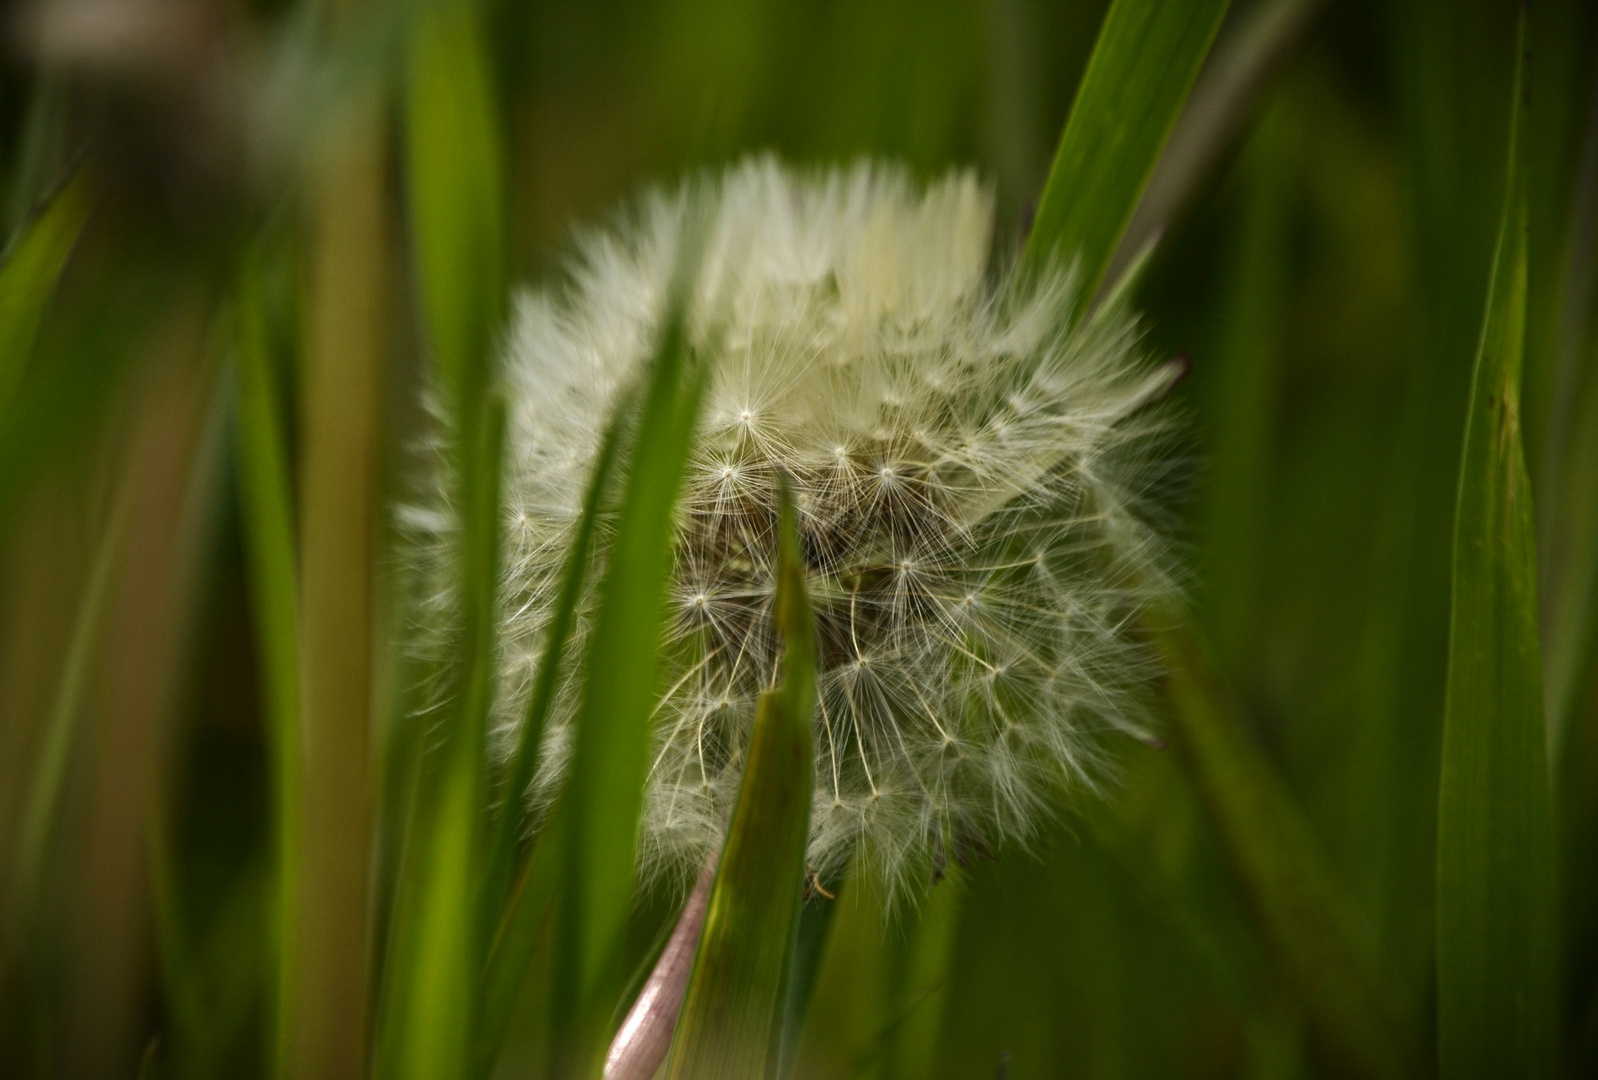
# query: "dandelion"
(970, 465)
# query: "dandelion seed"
(971, 464)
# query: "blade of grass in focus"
(453, 171)
(597, 816)
(810, 946)
(1496, 961)
(730, 1021)
(1147, 55)
(266, 503)
(32, 264)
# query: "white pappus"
(971, 466)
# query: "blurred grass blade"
(440, 936)
(49, 775)
(1496, 962)
(1240, 70)
(1304, 911)
(430, 1003)
(515, 896)
(340, 394)
(1146, 58)
(526, 914)
(266, 503)
(810, 947)
(599, 808)
(729, 1026)
(455, 178)
(28, 276)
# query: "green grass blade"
(515, 891)
(266, 501)
(804, 971)
(453, 173)
(1223, 99)
(513, 817)
(1304, 910)
(729, 1025)
(598, 815)
(1496, 960)
(430, 1003)
(455, 179)
(527, 908)
(28, 276)
(342, 372)
(1147, 55)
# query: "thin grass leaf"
(804, 971)
(266, 503)
(1568, 506)
(43, 810)
(342, 376)
(1496, 960)
(32, 265)
(1304, 911)
(440, 936)
(454, 174)
(1222, 100)
(599, 807)
(730, 1022)
(1147, 55)
(430, 1003)
(518, 883)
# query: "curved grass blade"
(266, 502)
(597, 818)
(28, 276)
(730, 1022)
(516, 896)
(1496, 958)
(1147, 55)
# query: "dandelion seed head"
(971, 468)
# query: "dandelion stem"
(645, 1036)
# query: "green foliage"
(1358, 813)
(1146, 58)
(730, 1025)
(430, 1008)
(524, 900)
(1496, 955)
(597, 817)
(268, 513)
(32, 264)
(1303, 911)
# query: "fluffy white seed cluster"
(970, 466)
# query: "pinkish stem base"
(645, 1036)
